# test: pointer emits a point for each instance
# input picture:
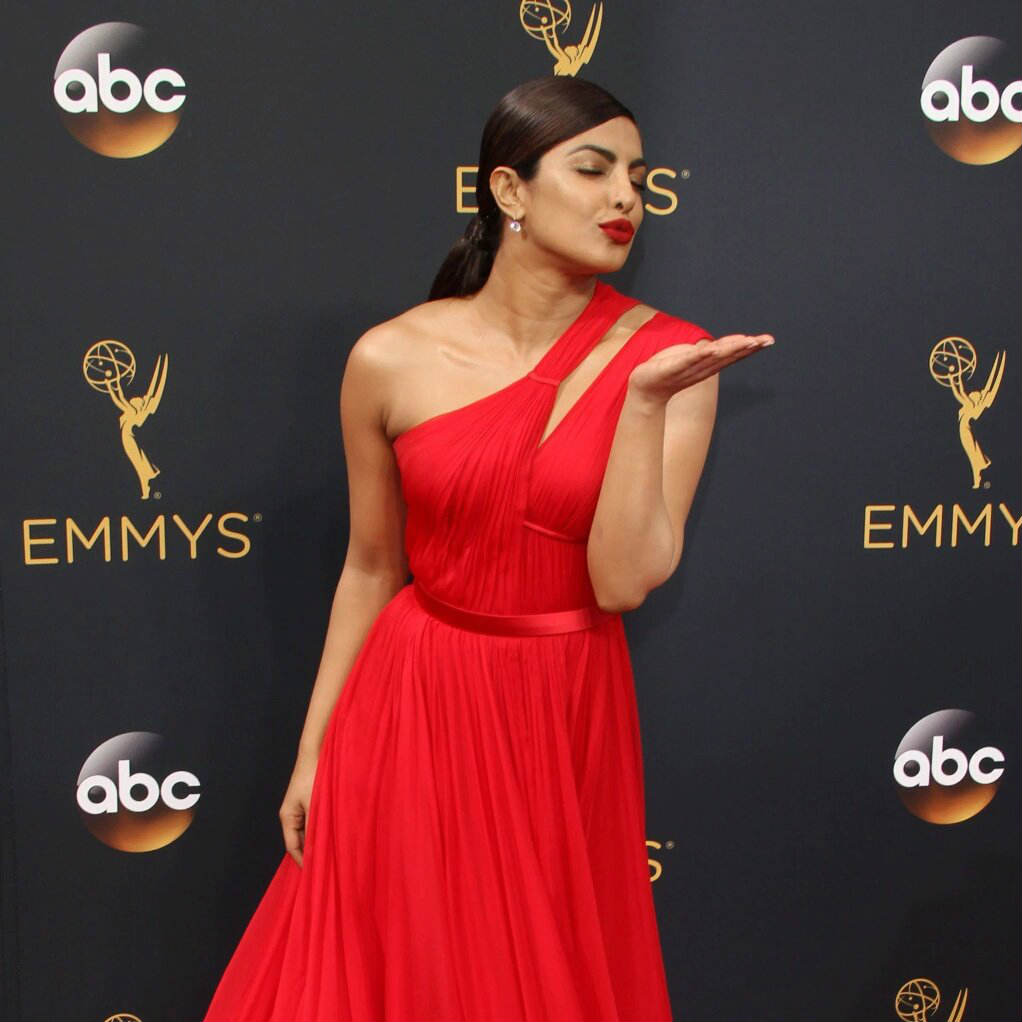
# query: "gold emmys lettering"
(464, 187)
(656, 866)
(69, 537)
(916, 524)
(919, 999)
(545, 19)
(952, 361)
(107, 365)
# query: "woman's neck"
(530, 306)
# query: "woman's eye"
(596, 171)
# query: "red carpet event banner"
(209, 203)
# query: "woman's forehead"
(619, 136)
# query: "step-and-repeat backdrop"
(207, 203)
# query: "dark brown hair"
(531, 119)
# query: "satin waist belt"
(551, 623)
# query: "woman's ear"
(507, 189)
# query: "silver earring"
(515, 225)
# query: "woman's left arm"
(656, 459)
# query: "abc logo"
(114, 94)
(944, 769)
(972, 101)
(129, 797)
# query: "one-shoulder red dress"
(475, 845)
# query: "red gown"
(475, 845)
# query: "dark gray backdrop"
(308, 194)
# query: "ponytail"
(470, 260)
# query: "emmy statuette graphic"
(107, 366)
(919, 999)
(952, 361)
(544, 19)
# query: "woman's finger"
(705, 366)
(744, 338)
(293, 826)
(699, 361)
(719, 357)
(294, 842)
(724, 347)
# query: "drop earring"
(516, 226)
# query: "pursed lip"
(620, 230)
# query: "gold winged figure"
(109, 364)
(543, 19)
(973, 404)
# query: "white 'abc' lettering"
(960, 765)
(92, 95)
(965, 102)
(121, 793)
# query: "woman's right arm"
(375, 567)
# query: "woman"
(465, 821)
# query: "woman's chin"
(613, 265)
(604, 262)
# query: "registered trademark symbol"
(257, 517)
(157, 495)
(986, 484)
(686, 173)
(668, 844)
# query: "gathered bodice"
(489, 508)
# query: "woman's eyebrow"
(608, 154)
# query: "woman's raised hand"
(682, 365)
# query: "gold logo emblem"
(546, 19)
(108, 366)
(123, 1016)
(953, 361)
(918, 1000)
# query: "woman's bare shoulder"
(395, 341)
(397, 351)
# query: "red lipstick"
(620, 230)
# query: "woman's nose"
(624, 194)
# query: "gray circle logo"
(945, 768)
(114, 93)
(972, 100)
(131, 797)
